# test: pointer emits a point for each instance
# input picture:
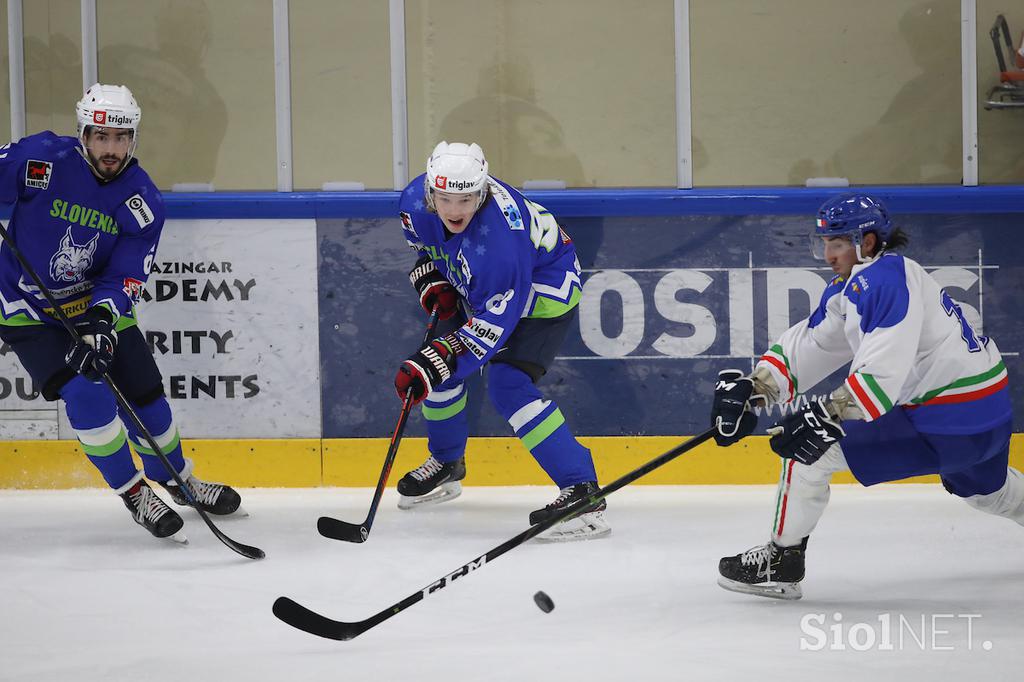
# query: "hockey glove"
(92, 354)
(428, 368)
(806, 435)
(434, 289)
(730, 409)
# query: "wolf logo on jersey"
(72, 260)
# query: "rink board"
(668, 301)
(278, 321)
(356, 462)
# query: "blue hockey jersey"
(91, 243)
(511, 261)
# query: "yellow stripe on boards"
(58, 464)
(356, 462)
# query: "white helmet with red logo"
(456, 168)
(108, 106)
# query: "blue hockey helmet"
(851, 216)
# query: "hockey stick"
(244, 550)
(337, 529)
(300, 617)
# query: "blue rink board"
(679, 276)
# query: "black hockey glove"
(730, 410)
(806, 435)
(433, 289)
(92, 355)
(428, 368)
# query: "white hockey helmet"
(109, 106)
(456, 168)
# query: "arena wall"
(278, 321)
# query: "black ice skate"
(152, 513)
(431, 483)
(213, 498)
(590, 524)
(766, 570)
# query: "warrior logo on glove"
(428, 367)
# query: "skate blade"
(443, 493)
(589, 526)
(178, 538)
(787, 591)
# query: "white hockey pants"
(803, 493)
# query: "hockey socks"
(447, 428)
(157, 418)
(540, 426)
(93, 415)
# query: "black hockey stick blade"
(302, 618)
(248, 551)
(336, 529)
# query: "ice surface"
(85, 594)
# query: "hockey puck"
(544, 602)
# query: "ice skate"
(152, 513)
(586, 526)
(765, 571)
(431, 483)
(213, 498)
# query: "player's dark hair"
(898, 239)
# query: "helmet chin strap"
(861, 258)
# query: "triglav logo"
(111, 118)
(892, 632)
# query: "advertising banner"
(667, 302)
(230, 314)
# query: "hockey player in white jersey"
(924, 394)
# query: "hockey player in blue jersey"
(88, 219)
(507, 284)
(924, 394)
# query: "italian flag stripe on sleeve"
(966, 389)
(777, 359)
(870, 397)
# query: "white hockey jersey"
(908, 346)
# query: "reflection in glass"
(1000, 132)
(545, 89)
(53, 65)
(5, 81)
(203, 73)
(867, 90)
(341, 93)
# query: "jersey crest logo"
(37, 174)
(72, 260)
(407, 222)
(141, 210)
(133, 289)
